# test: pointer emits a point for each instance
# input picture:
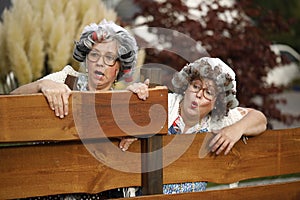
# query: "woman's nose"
(100, 61)
(200, 93)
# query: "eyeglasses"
(208, 93)
(108, 58)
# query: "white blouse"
(61, 76)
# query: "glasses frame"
(103, 57)
(191, 89)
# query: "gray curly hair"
(108, 31)
(213, 69)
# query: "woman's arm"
(253, 123)
(53, 88)
(29, 88)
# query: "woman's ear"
(118, 68)
(117, 72)
(213, 106)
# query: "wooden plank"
(60, 168)
(69, 168)
(279, 191)
(275, 152)
(92, 115)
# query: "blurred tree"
(227, 32)
(290, 11)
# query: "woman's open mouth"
(98, 74)
(194, 104)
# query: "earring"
(85, 65)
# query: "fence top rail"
(26, 118)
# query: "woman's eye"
(210, 92)
(197, 87)
(94, 54)
(109, 57)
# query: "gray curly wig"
(213, 69)
(104, 32)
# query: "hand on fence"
(57, 95)
(141, 89)
(224, 139)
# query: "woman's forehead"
(205, 81)
(110, 46)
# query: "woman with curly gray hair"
(205, 101)
(222, 83)
(106, 32)
(107, 52)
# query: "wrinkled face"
(199, 99)
(103, 66)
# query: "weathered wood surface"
(286, 191)
(69, 167)
(29, 117)
(275, 152)
(56, 169)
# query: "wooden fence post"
(152, 181)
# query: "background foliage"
(289, 10)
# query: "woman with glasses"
(107, 53)
(204, 100)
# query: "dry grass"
(38, 32)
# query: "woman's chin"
(102, 86)
(193, 112)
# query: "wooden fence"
(41, 154)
